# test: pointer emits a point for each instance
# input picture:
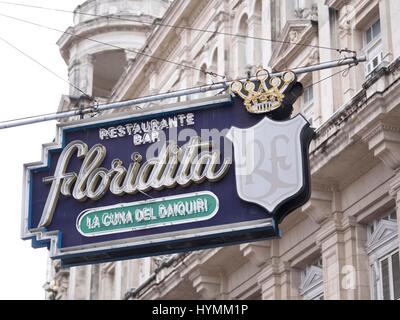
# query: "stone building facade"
(343, 244)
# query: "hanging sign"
(188, 176)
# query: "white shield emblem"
(269, 161)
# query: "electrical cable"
(118, 17)
(331, 76)
(222, 82)
(43, 66)
(40, 64)
(112, 45)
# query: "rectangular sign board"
(187, 176)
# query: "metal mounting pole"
(174, 94)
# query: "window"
(383, 252)
(390, 276)
(373, 32)
(308, 96)
(373, 46)
(307, 108)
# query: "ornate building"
(343, 244)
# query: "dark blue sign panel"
(191, 176)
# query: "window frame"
(374, 48)
(380, 250)
(373, 39)
(389, 257)
(306, 107)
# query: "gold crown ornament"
(266, 94)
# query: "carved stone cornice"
(331, 226)
(313, 57)
(394, 188)
(384, 140)
(307, 13)
(257, 253)
(206, 283)
(295, 31)
(336, 4)
(319, 207)
(130, 54)
(345, 28)
(269, 272)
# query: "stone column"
(387, 30)
(331, 240)
(254, 45)
(86, 71)
(344, 260)
(117, 288)
(288, 10)
(318, 102)
(73, 76)
(266, 31)
(279, 281)
(326, 87)
(234, 56)
(355, 274)
(223, 43)
(395, 193)
(352, 38)
(269, 281)
(290, 282)
(107, 278)
(152, 77)
(384, 140)
(79, 283)
(320, 208)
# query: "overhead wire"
(202, 70)
(112, 45)
(156, 23)
(344, 73)
(43, 66)
(93, 109)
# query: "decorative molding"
(312, 280)
(394, 190)
(319, 207)
(57, 289)
(130, 54)
(294, 31)
(336, 130)
(384, 140)
(313, 58)
(257, 253)
(345, 28)
(160, 260)
(107, 268)
(385, 232)
(336, 4)
(307, 13)
(206, 283)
